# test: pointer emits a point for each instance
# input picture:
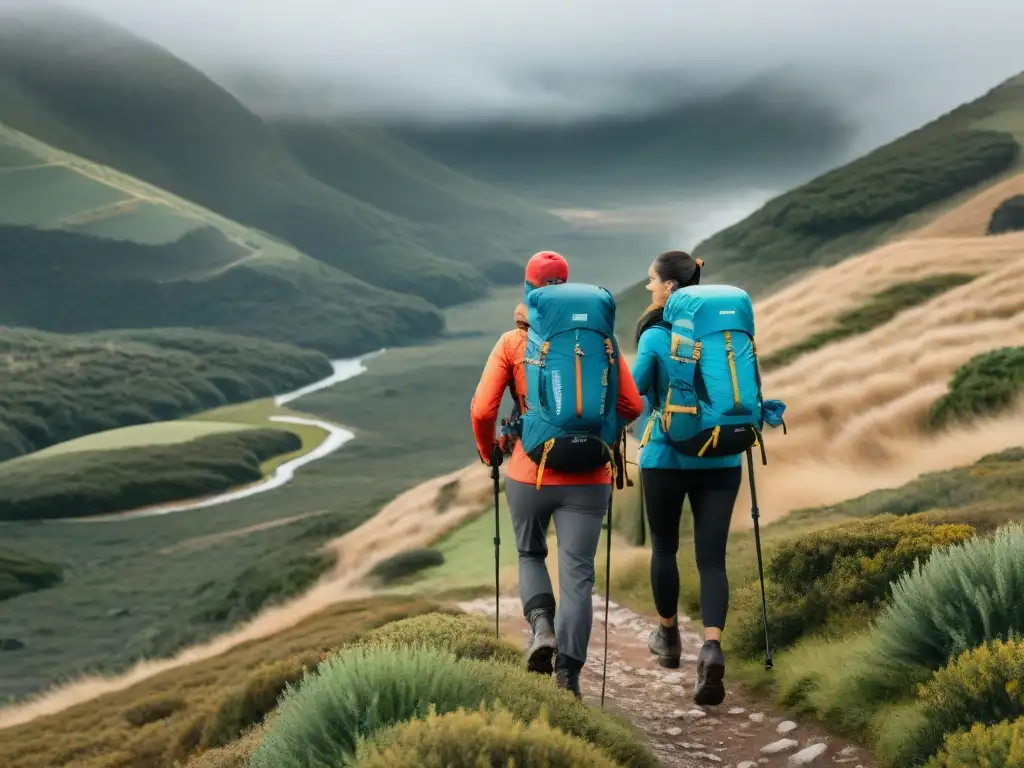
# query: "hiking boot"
(542, 645)
(666, 644)
(569, 679)
(709, 689)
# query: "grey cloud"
(578, 58)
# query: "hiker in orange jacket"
(577, 502)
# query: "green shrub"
(234, 755)
(249, 703)
(360, 691)
(466, 636)
(962, 597)
(1007, 217)
(356, 693)
(879, 309)
(983, 386)
(837, 574)
(405, 564)
(987, 746)
(20, 575)
(470, 739)
(101, 482)
(984, 685)
(154, 708)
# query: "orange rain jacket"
(504, 367)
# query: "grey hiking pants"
(578, 511)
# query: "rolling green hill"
(859, 205)
(58, 387)
(92, 89)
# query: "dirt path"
(740, 733)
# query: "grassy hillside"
(59, 387)
(92, 89)
(856, 206)
(110, 251)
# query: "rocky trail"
(739, 733)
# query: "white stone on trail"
(678, 714)
(673, 678)
(808, 755)
(747, 764)
(674, 731)
(737, 711)
(785, 726)
(696, 714)
(847, 751)
(779, 746)
(756, 717)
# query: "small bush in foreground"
(983, 386)
(356, 693)
(836, 574)
(1007, 217)
(360, 691)
(102, 482)
(467, 740)
(962, 597)
(463, 635)
(405, 564)
(989, 746)
(250, 702)
(984, 685)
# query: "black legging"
(712, 495)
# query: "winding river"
(336, 438)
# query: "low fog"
(890, 65)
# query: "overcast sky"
(580, 57)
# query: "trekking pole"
(495, 462)
(755, 514)
(607, 596)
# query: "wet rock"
(786, 726)
(778, 746)
(11, 644)
(808, 755)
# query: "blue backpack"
(714, 405)
(572, 382)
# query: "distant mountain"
(858, 205)
(93, 89)
(766, 133)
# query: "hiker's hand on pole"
(497, 455)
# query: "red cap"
(546, 267)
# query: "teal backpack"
(714, 405)
(572, 383)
